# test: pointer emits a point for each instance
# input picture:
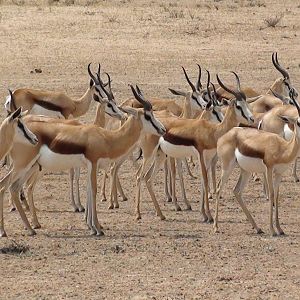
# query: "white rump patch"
(39, 110)
(177, 151)
(59, 162)
(250, 164)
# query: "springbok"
(261, 152)
(63, 146)
(194, 137)
(51, 103)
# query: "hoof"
(12, 209)
(81, 209)
(169, 199)
(210, 220)
(259, 231)
(188, 207)
(210, 196)
(116, 205)
(273, 234)
(138, 217)
(37, 226)
(93, 232)
(162, 217)
(111, 206)
(216, 230)
(31, 232)
(178, 208)
(205, 219)
(103, 199)
(100, 233)
(281, 232)
(296, 180)
(76, 209)
(3, 233)
(125, 199)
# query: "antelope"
(50, 103)
(105, 106)
(64, 146)
(262, 103)
(272, 122)
(211, 113)
(199, 138)
(262, 152)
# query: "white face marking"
(288, 133)
(59, 162)
(7, 103)
(177, 151)
(148, 126)
(39, 110)
(20, 135)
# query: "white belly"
(39, 110)
(288, 133)
(250, 164)
(177, 151)
(58, 162)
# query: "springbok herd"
(235, 126)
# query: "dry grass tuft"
(273, 21)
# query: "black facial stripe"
(242, 112)
(217, 116)
(148, 118)
(21, 126)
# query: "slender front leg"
(180, 174)
(78, 204)
(277, 181)
(295, 170)
(171, 161)
(119, 187)
(226, 172)
(71, 173)
(113, 195)
(103, 187)
(271, 198)
(166, 169)
(207, 216)
(93, 177)
(238, 190)
(213, 175)
(148, 178)
(189, 169)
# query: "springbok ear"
(91, 83)
(130, 111)
(177, 93)
(24, 113)
(16, 114)
(287, 119)
(209, 106)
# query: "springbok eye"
(148, 118)
(109, 105)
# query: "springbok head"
(150, 124)
(195, 95)
(240, 104)
(14, 129)
(282, 85)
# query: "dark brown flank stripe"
(248, 151)
(178, 140)
(48, 105)
(63, 147)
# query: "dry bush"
(273, 21)
(14, 248)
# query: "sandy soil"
(180, 258)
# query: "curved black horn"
(226, 88)
(276, 64)
(188, 80)
(296, 104)
(214, 98)
(13, 103)
(238, 83)
(99, 69)
(91, 74)
(208, 84)
(139, 97)
(198, 84)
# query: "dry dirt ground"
(146, 42)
